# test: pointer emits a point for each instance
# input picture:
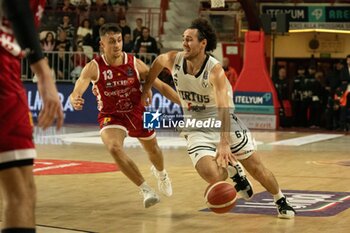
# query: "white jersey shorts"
(200, 144)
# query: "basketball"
(220, 197)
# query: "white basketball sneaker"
(164, 183)
(150, 198)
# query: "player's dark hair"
(205, 31)
(109, 27)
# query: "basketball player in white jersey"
(205, 93)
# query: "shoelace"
(163, 178)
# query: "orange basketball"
(220, 197)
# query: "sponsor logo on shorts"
(106, 121)
(305, 203)
(30, 119)
(244, 152)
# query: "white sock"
(162, 173)
(145, 186)
(278, 196)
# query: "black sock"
(18, 230)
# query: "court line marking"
(165, 142)
(59, 229)
(83, 134)
(129, 142)
(299, 141)
(93, 137)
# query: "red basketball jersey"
(118, 87)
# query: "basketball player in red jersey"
(18, 37)
(200, 81)
(116, 83)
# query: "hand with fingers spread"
(52, 108)
(77, 102)
(224, 155)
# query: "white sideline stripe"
(306, 139)
(89, 140)
(163, 141)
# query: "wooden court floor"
(312, 167)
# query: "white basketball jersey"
(195, 91)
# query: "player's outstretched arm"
(88, 74)
(167, 91)
(162, 87)
(218, 79)
(165, 60)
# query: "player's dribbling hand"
(77, 102)
(52, 108)
(224, 155)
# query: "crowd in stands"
(72, 27)
(311, 98)
(314, 99)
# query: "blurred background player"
(17, 153)
(301, 97)
(200, 81)
(345, 73)
(116, 78)
(316, 101)
(281, 84)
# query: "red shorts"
(16, 128)
(130, 122)
(16, 132)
